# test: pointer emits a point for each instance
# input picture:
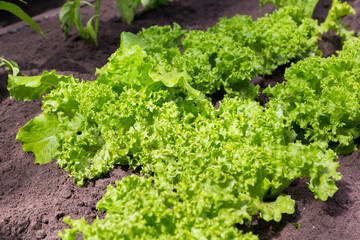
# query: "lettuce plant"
(276, 38)
(147, 72)
(332, 22)
(320, 98)
(144, 63)
(209, 172)
(203, 170)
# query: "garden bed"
(34, 198)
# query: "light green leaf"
(173, 78)
(128, 40)
(66, 19)
(70, 14)
(31, 88)
(40, 137)
(88, 32)
(307, 6)
(128, 8)
(76, 14)
(333, 21)
(10, 66)
(274, 210)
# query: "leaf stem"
(97, 20)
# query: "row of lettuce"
(203, 169)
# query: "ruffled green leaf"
(307, 6)
(273, 210)
(320, 98)
(333, 21)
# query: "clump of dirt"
(34, 199)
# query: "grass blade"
(17, 11)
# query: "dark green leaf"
(17, 11)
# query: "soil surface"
(34, 198)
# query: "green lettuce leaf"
(157, 38)
(334, 19)
(307, 6)
(40, 136)
(31, 88)
(274, 210)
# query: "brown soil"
(35, 198)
